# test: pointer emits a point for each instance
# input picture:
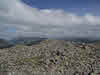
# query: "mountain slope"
(50, 55)
(5, 43)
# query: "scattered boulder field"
(58, 56)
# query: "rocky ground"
(58, 57)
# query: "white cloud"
(53, 22)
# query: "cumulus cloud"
(50, 22)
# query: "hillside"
(5, 43)
(50, 56)
(20, 41)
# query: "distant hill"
(20, 40)
(36, 40)
(27, 40)
(5, 43)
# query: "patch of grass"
(66, 45)
(3, 67)
(36, 60)
(20, 46)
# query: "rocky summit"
(57, 56)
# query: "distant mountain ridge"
(20, 40)
(36, 40)
(28, 40)
(5, 43)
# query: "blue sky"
(11, 29)
(77, 6)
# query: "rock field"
(50, 56)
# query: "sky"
(76, 6)
(51, 18)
